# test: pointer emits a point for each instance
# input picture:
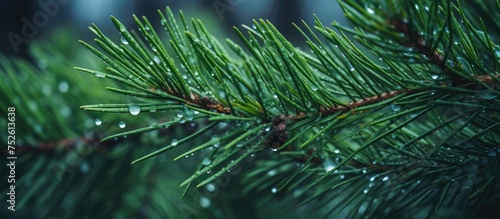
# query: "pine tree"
(402, 122)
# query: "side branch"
(68, 144)
(417, 41)
(210, 104)
(205, 102)
(364, 102)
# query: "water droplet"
(485, 95)
(42, 64)
(100, 75)
(372, 178)
(215, 141)
(98, 121)
(314, 88)
(210, 187)
(362, 209)
(336, 151)
(134, 109)
(153, 109)
(124, 41)
(65, 111)
(365, 191)
(122, 124)
(205, 202)
(174, 142)
(271, 172)
(38, 128)
(434, 77)
(370, 11)
(342, 176)
(492, 153)
(274, 190)
(395, 107)
(206, 161)
(122, 28)
(188, 113)
(209, 171)
(157, 59)
(47, 90)
(329, 165)
(84, 167)
(180, 114)
(63, 87)
(274, 149)
(413, 115)
(239, 145)
(222, 94)
(385, 178)
(267, 129)
(254, 27)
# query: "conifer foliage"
(403, 120)
(414, 125)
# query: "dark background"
(77, 15)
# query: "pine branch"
(336, 111)
(61, 162)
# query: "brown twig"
(67, 144)
(193, 99)
(364, 102)
(416, 41)
(210, 104)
